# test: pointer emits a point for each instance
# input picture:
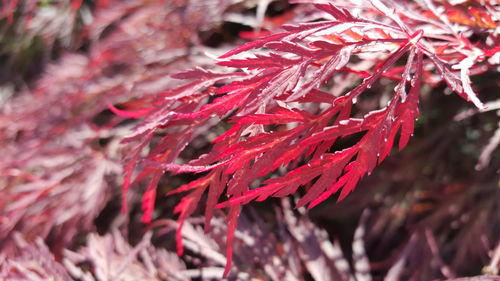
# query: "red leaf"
(254, 44)
(285, 116)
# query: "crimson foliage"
(291, 100)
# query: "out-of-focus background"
(429, 212)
